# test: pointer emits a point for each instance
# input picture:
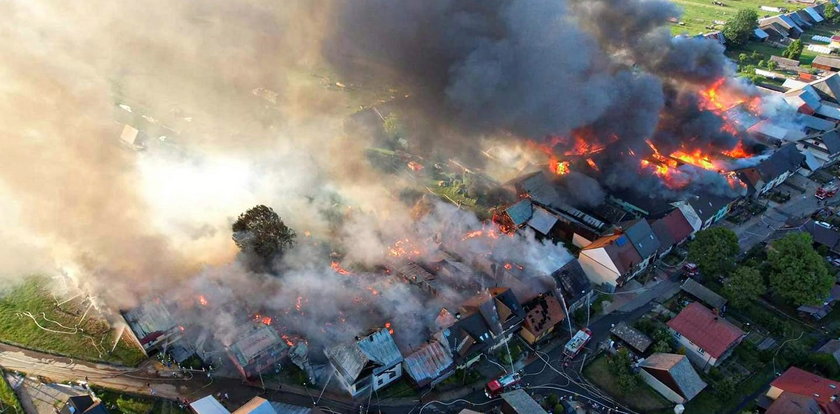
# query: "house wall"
(661, 388)
(773, 183)
(598, 266)
(388, 376)
(695, 354)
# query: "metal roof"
(520, 212)
(377, 348)
(703, 293)
(522, 403)
(642, 237)
(429, 362)
(208, 405)
(680, 370)
(633, 337)
(257, 405)
(542, 221)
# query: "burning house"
(257, 349)
(573, 287)
(368, 364)
(431, 364)
(614, 259)
(542, 314)
(483, 323)
(155, 329)
(771, 172)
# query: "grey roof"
(783, 61)
(680, 370)
(522, 403)
(707, 205)
(828, 86)
(520, 212)
(832, 142)
(572, 281)
(787, 158)
(832, 347)
(542, 221)
(642, 237)
(540, 189)
(827, 61)
(378, 349)
(633, 337)
(428, 362)
(825, 236)
(703, 293)
(816, 123)
(283, 408)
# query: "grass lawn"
(72, 329)
(9, 402)
(123, 403)
(641, 397)
(698, 14)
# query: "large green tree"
(794, 50)
(739, 29)
(830, 14)
(714, 250)
(261, 234)
(798, 273)
(744, 286)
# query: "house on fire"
(368, 364)
(707, 337)
(614, 259)
(483, 323)
(542, 314)
(573, 287)
(257, 350)
(772, 171)
(431, 363)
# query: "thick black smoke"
(540, 68)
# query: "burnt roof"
(572, 281)
(633, 337)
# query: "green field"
(9, 402)
(134, 404)
(72, 329)
(699, 15)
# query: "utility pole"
(588, 299)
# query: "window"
(700, 350)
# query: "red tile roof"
(801, 382)
(672, 228)
(701, 326)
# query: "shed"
(703, 294)
(631, 336)
(519, 402)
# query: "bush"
(558, 408)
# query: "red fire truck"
(827, 191)
(577, 343)
(502, 384)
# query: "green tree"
(714, 250)
(771, 65)
(798, 273)
(739, 29)
(743, 58)
(744, 286)
(830, 14)
(620, 366)
(793, 50)
(261, 234)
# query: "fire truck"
(502, 384)
(577, 343)
(826, 191)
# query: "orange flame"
(560, 167)
(592, 164)
(415, 166)
(404, 248)
(299, 303)
(388, 327)
(738, 151)
(202, 300)
(340, 270)
(508, 266)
